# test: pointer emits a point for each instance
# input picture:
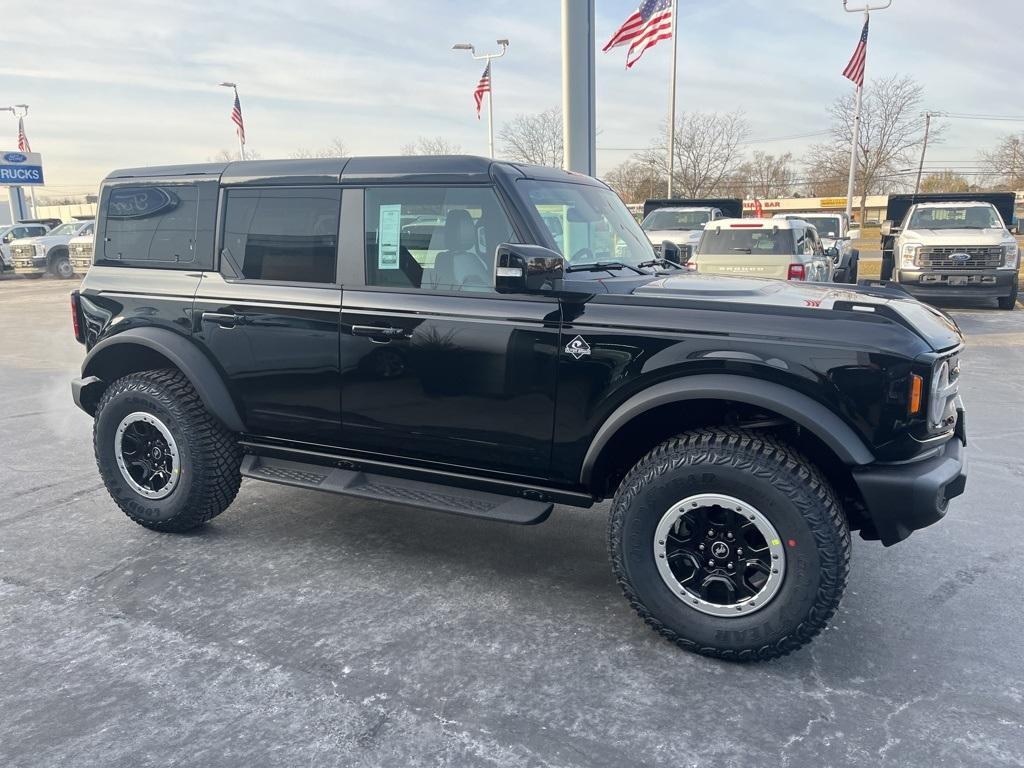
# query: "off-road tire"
(766, 473)
(209, 454)
(853, 268)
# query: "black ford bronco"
(490, 339)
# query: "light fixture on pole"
(866, 10)
(236, 118)
(489, 71)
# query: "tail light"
(76, 317)
(796, 272)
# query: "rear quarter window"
(158, 225)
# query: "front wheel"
(167, 463)
(62, 268)
(730, 544)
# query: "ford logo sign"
(15, 157)
(139, 202)
(961, 257)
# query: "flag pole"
(241, 141)
(672, 100)
(490, 112)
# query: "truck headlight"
(1011, 255)
(908, 255)
(942, 393)
(41, 250)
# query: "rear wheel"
(730, 544)
(167, 463)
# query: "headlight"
(1011, 255)
(943, 392)
(41, 249)
(908, 255)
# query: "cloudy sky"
(124, 84)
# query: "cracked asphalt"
(302, 628)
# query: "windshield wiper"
(602, 266)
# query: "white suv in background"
(785, 249)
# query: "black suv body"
(422, 330)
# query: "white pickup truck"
(952, 246)
(681, 221)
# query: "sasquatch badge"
(578, 347)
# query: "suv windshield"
(956, 217)
(588, 224)
(664, 219)
(723, 240)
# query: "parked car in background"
(943, 246)
(682, 220)
(48, 253)
(18, 231)
(80, 253)
(837, 238)
(785, 249)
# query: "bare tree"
(1004, 165)
(431, 145)
(337, 148)
(232, 155)
(635, 181)
(535, 139)
(826, 171)
(891, 132)
(706, 151)
(947, 180)
(765, 175)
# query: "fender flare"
(186, 357)
(799, 408)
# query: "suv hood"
(46, 240)
(931, 324)
(955, 236)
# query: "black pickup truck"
(491, 339)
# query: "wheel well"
(55, 253)
(120, 360)
(635, 438)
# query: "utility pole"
(672, 98)
(866, 10)
(490, 93)
(924, 148)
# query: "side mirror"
(833, 252)
(887, 228)
(527, 269)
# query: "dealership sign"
(20, 168)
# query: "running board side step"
(397, 490)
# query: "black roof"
(355, 170)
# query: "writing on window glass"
(389, 232)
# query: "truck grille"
(82, 250)
(983, 257)
(23, 251)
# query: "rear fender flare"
(787, 402)
(184, 355)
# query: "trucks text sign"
(20, 168)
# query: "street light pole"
(866, 10)
(503, 42)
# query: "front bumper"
(29, 267)
(902, 498)
(948, 284)
(81, 265)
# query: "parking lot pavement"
(302, 628)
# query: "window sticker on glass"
(389, 232)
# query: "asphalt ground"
(306, 629)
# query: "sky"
(134, 84)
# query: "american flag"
(236, 118)
(23, 145)
(855, 69)
(649, 24)
(484, 86)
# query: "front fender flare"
(185, 356)
(798, 407)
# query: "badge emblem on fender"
(578, 347)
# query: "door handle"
(223, 319)
(379, 331)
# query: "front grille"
(23, 251)
(81, 250)
(978, 257)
